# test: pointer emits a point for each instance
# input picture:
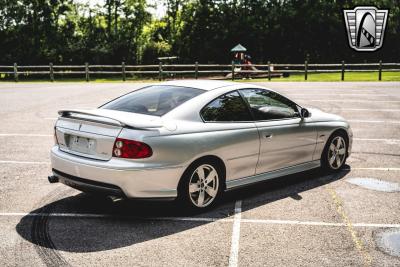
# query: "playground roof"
(239, 48)
(167, 58)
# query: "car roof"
(199, 84)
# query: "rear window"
(153, 100)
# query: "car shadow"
(124, 223)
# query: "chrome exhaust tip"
(52, 179)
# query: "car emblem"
(365, 27)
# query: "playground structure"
(165, 61)
(244, 68)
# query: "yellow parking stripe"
(346, 220)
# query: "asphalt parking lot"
(308, 219)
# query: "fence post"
(196, 70)
(342, 70)
(233, 71)
(269, 70)
(15, 72)
(380, 70)
(305, 70)
(51, 72)
(160, 71)
(123, 71)
(87, 71)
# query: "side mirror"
(304, 113)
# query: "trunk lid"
(92, 133)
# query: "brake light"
(131, 149)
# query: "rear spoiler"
(136, 122)
(87, 117)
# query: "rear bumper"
(99, 176)
(86, 185)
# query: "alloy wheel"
(203, 185)
(337, 152)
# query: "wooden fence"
(221, 71)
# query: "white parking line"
(370, 109)
(203, 219)
(23, 162)
(106, 216)
(373, 169)
(351, 91)
(314, 223)
(374, 121)
(333, 94)
(389, 141)
(353, 100)
(26, 135)
(233, 256)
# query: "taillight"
(131, 149)
(55, 136)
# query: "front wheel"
(335, 153)
(201, 185)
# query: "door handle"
(268, 135)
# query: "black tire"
(185, 198)
(326, 154)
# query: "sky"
(158, 11)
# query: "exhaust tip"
(52, 179)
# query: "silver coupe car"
(193, 140)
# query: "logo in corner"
(365, 27)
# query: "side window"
(267, 105)
(229, 107)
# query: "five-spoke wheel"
(201, 185)
(335, 152)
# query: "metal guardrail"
(228, 71)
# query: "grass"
(314, 77)
(336, 77)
